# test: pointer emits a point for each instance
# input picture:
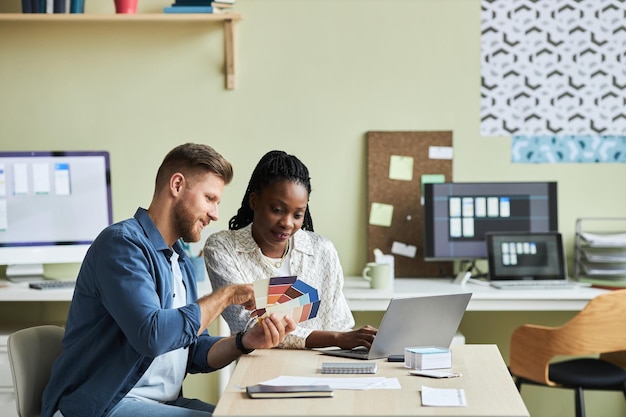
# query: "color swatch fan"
(285, 296)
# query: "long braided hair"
(274, 166)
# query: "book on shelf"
(48, 6)
(27, 6)
(34, 6)
(349, 367)
(77, 6)
(192, 3)
(289, 391)
(60, 6)
(191, 9)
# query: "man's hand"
(270, 333)
(363, 336)
(243, 294)
(212, 305)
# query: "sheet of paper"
(360, 383)
(440, 152)
(403, 249)
(609, 239)
(443, 397)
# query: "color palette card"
(285, 296)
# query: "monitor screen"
(457, 215)
(526, 256)
(52, 206)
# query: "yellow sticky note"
(401, 167)
(381, 214)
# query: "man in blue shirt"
(136, 325)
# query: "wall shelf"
(228, 20)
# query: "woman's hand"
(363, 336)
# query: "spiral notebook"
(349, 367)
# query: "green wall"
(313, 76)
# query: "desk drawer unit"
(7, 396)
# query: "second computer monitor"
(457, 215)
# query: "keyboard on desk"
(52, 284)
(534, 285)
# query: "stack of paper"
(605, 239)
(427, 357)
(613, 254)
(285, 296)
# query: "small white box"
(427, 357)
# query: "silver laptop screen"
(530, 256)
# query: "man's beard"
(186, 223)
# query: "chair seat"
(588, 373)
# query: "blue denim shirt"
(121, 318)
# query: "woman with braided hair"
(272, 235)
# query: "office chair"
(597, 334)
(32, 352)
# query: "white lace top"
(233, 257)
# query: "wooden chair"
(597, 332)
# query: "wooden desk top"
(489, 389)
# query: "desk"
(361, 297)
(19, 291)
(489, 389)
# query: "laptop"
(415, 321)
(527, 260)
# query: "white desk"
(488, 386)
(484, 298)
(11, 291)
(361, 298)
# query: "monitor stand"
(462, 277)
(465, 275)
(25, 272)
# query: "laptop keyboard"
(534, 285)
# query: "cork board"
(397, 163)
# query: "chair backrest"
(597, 328)
(32, 351)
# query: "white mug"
(380, 258)
(377, 274)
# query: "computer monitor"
(52, 206)
(457, 215)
